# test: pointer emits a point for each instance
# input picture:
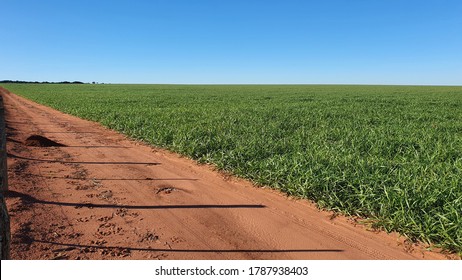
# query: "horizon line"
(224, 84)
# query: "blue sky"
(287, 41)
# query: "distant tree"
(36, 82)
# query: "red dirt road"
(102, 196)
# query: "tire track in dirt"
(102, 196)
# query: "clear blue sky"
(252, 41)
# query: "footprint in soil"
(121, 212)
(81, 187)
(106, 194)
(165, 189)
(107, 229)
(79, 174)
(116, 252)
(148, 237)
(83, 220)
(176, 239)
(20, 166)
(105, 219)
(98, 242)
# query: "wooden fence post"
(5, 231)
(4, 217)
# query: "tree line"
(29, 82)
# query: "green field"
(391, 154)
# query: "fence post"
(4, 217)
(5, 231)
(3, 157)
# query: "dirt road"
(80, 191)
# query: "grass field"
(392, 154)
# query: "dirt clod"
(40, 141)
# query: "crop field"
(390, 154)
